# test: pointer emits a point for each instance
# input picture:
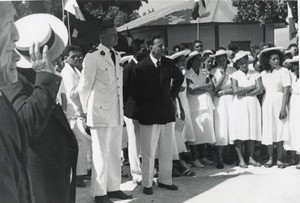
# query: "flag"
(72, 7)
(199, 9)
(129, 37)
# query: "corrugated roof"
(220, 11)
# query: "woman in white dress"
(183, 112)
(246, 110)
(277, 83)
(293, 142)
(222, 102)
(199, 87)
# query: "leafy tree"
(269, 11)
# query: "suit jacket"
(130, 106)
(101, 89)
(14, 181)
(153, 92)
(54, 146)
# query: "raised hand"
(40, 62)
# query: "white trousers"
(106, 147)
(133, 132)
(84, 147)
(153, 137)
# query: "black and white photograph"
(149, 101)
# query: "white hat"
(126, 58)
(240, 55)
(295, 59)
(220, 53)
(207, 52)
(192, 55)
(43, 28)
(265, 51)
(83, 127)
(180, 53)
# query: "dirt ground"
(211, 185)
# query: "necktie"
(113, 56)
(158, 64)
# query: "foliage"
(117, 11)
(269, 11)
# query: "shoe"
(188, 173)
(269, 164)
(298, 166)
(243, 165)
(102, 199)
(206, 161)
(186, 164)
(169, 187)
(280, 164)
(119, 195)
(255, 164)
(148, 190)
(220, 165)
(197, 164)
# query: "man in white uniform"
(100, 90)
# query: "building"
(216, 29)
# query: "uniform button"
(70, 149)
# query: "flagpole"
(69, 32)
(62, 10)
(198, 19)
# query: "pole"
(69, 32)
(198, 28)
(62, 10)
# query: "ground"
(231, 184)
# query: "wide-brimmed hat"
(220, 53)
(43, 28)
(83, 128)
(265, 52)
(125, 59)
(180, 53)
(207, 51)
(240, 55)
(192, 55)
(295, 59)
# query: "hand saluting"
(40, 62)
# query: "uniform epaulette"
(92, 50)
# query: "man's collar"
(154, 60)
(101, 47)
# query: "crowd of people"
(186, 109)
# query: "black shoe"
(148, 190)
(169, 187)
(220, 165)
(119, 195)
(102, 199)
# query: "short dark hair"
(198, 41)
(105, 26)
(135, 46)
(69, 48)
(233, 46)
(265, 58)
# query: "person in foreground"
(14, 182)
(152, 92)
(52, 163)
(100, 90)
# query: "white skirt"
(245, 119)
(222, 119)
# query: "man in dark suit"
(139, 50)
(156, 84)
(52, 163)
